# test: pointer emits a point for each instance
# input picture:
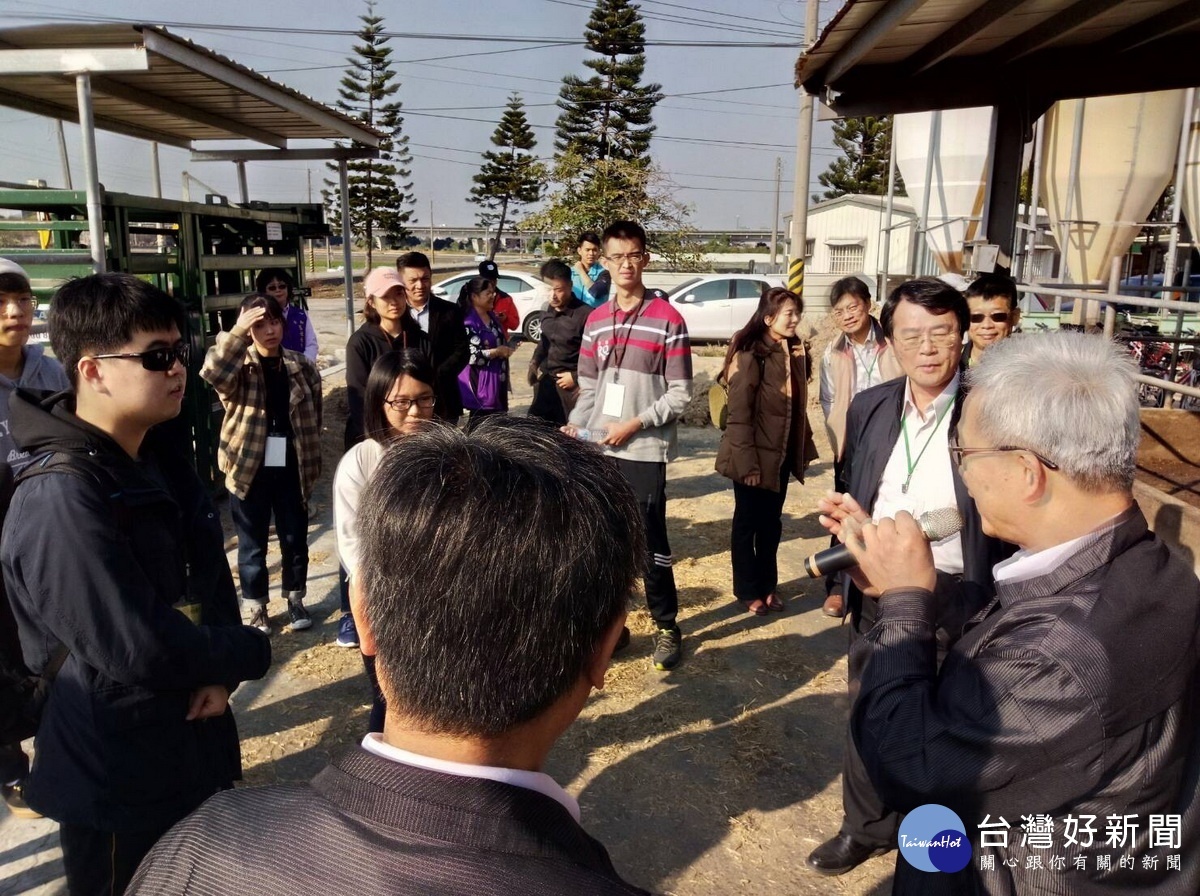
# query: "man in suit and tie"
(895, 459)
(487, 649)
(445, 333)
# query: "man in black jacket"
(446, 335)
(450, 798)
(121, 560)
(896, 459)
(554, 368)
(1061, 726)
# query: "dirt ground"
(718, 777)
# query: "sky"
(729, 111)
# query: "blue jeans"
(275, 491)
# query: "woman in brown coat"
(767, 440)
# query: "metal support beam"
(347, 261)
(866, 38)
(243, 188)
(963, 32)
(73, 60)
(1004, 186)
(1075, 16)
(70, 113)
(62, 154)
(87, 129)
(1185, 133)
(1155, 28)
(332, 153)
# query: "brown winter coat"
(761, 382)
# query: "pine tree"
(866, 144)
(511, 177)
(609, 114)
(381, 196)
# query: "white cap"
(11, 267)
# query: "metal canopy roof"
(151, 84)
(883, 56)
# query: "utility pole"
(775, 220)
(803, 164)
(62, 155)
(432, 252)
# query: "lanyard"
(619, 348)
(908, 460)
(871, 366)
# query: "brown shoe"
(834, 606)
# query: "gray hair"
(1071, 398)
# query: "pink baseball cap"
(380, 280)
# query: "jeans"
(275, 491)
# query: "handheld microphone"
(935, 525)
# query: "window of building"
(846, 259)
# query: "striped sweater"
(648, 353)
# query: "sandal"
(773, 602)
(757, 607)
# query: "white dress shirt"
(421, 315)
(539, 781)
(926, 468)
(866, 369)
(1030, 564)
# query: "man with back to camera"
(1070, 699)
(635, 379)
(445, 333)
(114, 563)
(554, 367)
(859, 358)
(895, 459)
(451, 798)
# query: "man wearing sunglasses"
(114, 564)
(992, 300)
(895, 459)
(1071, 697)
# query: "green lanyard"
(874, 359)
(908, 459)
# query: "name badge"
(614, 400)
(276, 452)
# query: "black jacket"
(562, 334)
(382, 827)
(446, 343)
(363, 349)
(872, 428)
(108, 568)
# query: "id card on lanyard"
(276, 452)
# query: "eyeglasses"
(957, 453)
(425, 402)
(996, 317)
(631, 257)
(158, 360)
(846, 312)
(940, 337)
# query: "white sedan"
(529, 294)
(716, 306)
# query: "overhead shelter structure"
(879, 57)
(142, 81)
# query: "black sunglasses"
(158, 360)
(999, 317)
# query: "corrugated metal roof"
(187, 94)
(879, 56)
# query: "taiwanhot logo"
(933, 838)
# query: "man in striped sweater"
(635, 379)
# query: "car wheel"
(531, 329)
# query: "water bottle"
(591, 435)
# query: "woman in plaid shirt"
(270, 450)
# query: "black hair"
(994, 286)
(388, 368)
(266, 275)
(102, 312)
(756, 328)
(259, 300)
(624, 230)
(475, 633)
(588, 236)
(469, 290)
(935, 296)
(555, 269)
(413, 260)
(852, 286)
(11, 281)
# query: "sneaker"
(14, 798)
(668, 647)
(260, 620)
(300, 620)
(347, 632)
(623, 641)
